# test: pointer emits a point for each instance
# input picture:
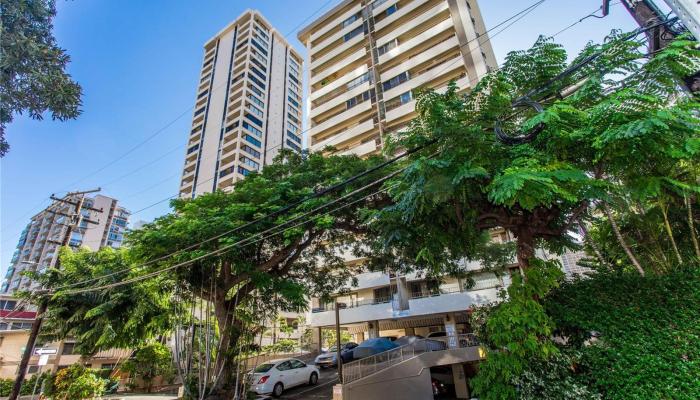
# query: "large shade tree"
(33, 76)
(616, 128)
(273, 264)
(616, 125)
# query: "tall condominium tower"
(248, 105)
(102, 223)
(368, 58)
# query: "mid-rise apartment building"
(367, 60)
(102, 223)
(248, 105)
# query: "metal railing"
(364, 367)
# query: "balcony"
(342, 118)
(335, 37)
(337, 84)
(340, 99)
(403, 11)
(421, 58)
(335, 22)
(338, 69)
(348, 134)
(425, 76)
(447, 300)
(362, 149)
(426, 16)
(417, 40)
(315, 64)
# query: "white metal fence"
(358, 369)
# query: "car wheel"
(313, 379)
(278, 389)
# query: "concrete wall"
(407, 380)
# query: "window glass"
(264, 367)
(284, 366)
(297, 364)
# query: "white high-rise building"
(367, 59)
(248, 105)
(39, 242)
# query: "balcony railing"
(358, 369)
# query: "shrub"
(75, 382)
(646, 329)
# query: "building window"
(243, 171)
(258, 73)
(33, 369)
(293, 118)
(250, 151)
(225, 172)
(7, 304)
(257, 81)
(247, 161)
(353, 33)
(398, 101)
(293, 145)
(294, 137)
(387, 46)
(350, 20)
(193, 149)
(252, 140)
(392, 9)
(68, 349)
(396, 81)
(252, 129)
(255, 111)
(291, 100)
(254, 120)
(256, 91)
(255, 100)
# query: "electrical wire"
(213, 253)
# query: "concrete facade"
(37, 248)
(248, 105)
(367, 59)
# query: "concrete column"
(451, 330)
(359, 337)
(460, 380)
(373, 329)
(317, 338)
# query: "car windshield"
(264, 367)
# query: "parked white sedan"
(277, 375)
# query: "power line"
(230, 246)
(516, 17)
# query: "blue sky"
(138, 63)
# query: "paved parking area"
(322, 391)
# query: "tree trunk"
(691, 225)
(669, 232)
(594, 246)
(620, 239)
(525, 248)
(225, 369)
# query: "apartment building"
(16, 318)
(368, 59)
(248, 105)
(102, 223)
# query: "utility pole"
(76, 219)
(338, 358)
(646, 13)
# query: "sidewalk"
(125, 396)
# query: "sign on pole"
(41, 351)
(43, 359)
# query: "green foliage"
(272, 269)
(516, 332)
(33, 77)
(27, 385)
(281, 346)
(553, 379)
(647, 343)
(123, 317)
(75, 383)
(149, 362)
(626, 123)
